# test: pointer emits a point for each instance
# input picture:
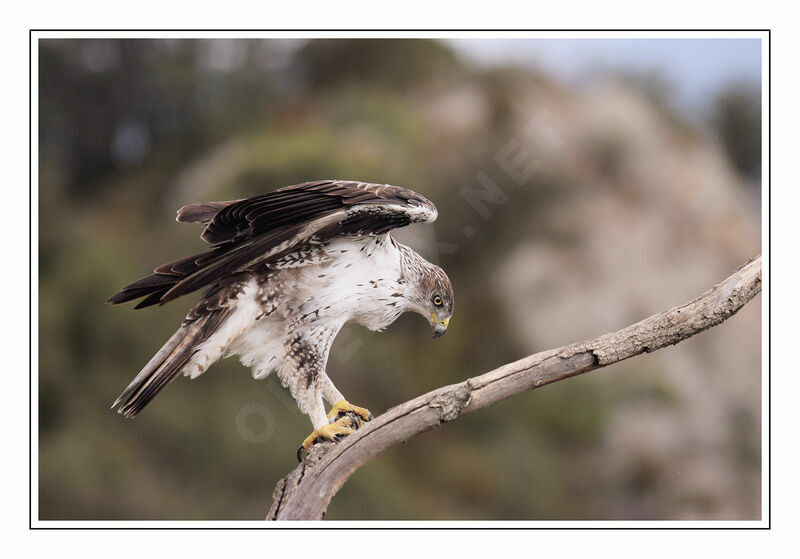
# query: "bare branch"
(305, 492)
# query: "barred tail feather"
(167, 364)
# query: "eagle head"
(434, 298)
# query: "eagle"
(282, 275)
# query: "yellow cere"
(436, 320)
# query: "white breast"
(359, 282)
(351, 280)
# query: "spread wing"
(250, 233)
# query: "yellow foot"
(331, 432)
(346, 409)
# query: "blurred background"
(582, 185)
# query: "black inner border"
(267, 526)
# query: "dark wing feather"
(167, 364)
(201, 212)
(254, 231)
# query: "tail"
(168, 362)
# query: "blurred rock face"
(666, 219)
(564, 213)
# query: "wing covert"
(254, 231)
(301, 203)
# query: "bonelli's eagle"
(284, 272)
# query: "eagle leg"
(331, 432)
(344, 408)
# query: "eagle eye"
(437, 301)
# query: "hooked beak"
(440, 327)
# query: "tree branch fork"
(304, 493)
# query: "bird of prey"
(284, 272)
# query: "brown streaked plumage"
(284, 272)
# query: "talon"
(341, 409)
(331, 432)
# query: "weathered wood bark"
(305, 492)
